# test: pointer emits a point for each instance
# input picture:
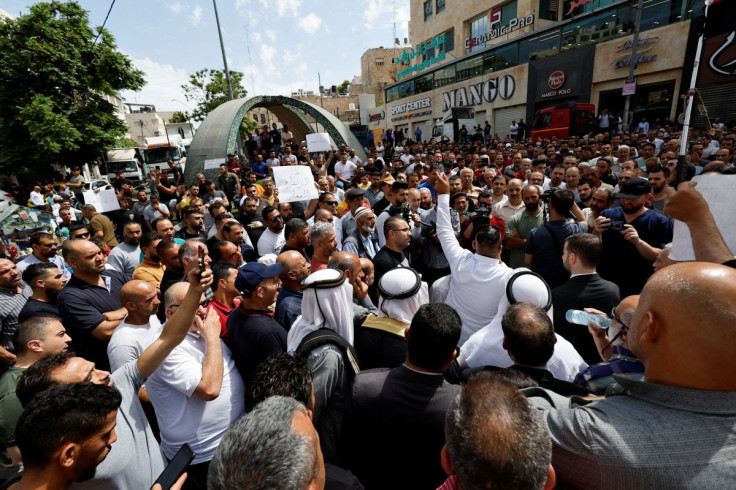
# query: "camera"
(404, 211)
(482, 216)
(617, 225)
(547, 195)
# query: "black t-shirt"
(176, 174)
(36, 308)
(276, 137)
(165, 196)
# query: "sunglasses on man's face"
(81, 236)
(277, 218)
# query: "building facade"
(509, 59)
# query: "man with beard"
(660, 190)
(513, 204)
(585, 193)
(45, 280)
(224, 293)
(43, 249)
(363, 242)
(150, 269)
(296, 232)
(324, 243)
(522, 223)
(632, 237)
(194, 219)
(233, 232)
(64, 433)
(295, 268)
(556, 179)
(127, 255)
(425, 199)
(90, 303)
(602, 200)
(572, 179)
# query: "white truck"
(125, 160)
(452, 121)
(159, 149)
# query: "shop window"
(469, 68)
(540, 46)
(406, 89)
(440, 6)
(424, 83)
(427, 10)
(444, 76)
(501, 58)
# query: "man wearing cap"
(354, 198)
(385, 186)
(630, 250)
(254, 334)
(363, 242)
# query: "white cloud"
(310, 24)
(381, 12)
(196, 17)
(282, 7)
(268, 53)
(163, 83)
(270, 34)
(175, 7)
(256, 36)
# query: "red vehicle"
(562, 121)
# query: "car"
(97, 184)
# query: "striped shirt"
(11, 302)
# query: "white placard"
(718, 190)
(295, 183)
(213, 164)
(317, 142)
(103, 201)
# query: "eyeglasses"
(81, 236)
(616, 319)
(47, 245)
(331, 203)
(277, 218)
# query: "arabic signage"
(499, 30)
(643, 52)
(409, 54)
(718, 61)
(477, 93)
(411, 106)
(575, 4)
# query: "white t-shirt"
(185, 418)
(345, 170)
(270, 243)
(129, 341)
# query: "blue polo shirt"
(288, 307)
(254, 336)
(81, 306)
(547, 260)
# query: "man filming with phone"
(632, 237)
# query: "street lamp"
(222, 48)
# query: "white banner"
(317, 142)
(295, 183)
(103, 201)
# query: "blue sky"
(290, 40)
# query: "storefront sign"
(575, 4)
(642, 52)
(476, 93)
(409, 54)
(377, 117)
(495, 18)
(410, 116)
(556, 79)
(411, 106)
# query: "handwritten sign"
(103, 201)
(295, 183)
(318, 142)
(213, 164)
(718, 191)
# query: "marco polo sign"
(477, 93)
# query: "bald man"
(90, 304)
(295, 268)
(139, 327)
(674, 430)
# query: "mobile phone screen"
(176, 467)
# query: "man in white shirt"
(197, 391)
(344, 169)
(37, 197)
(513, 202)
(139, 328)
(272, 240)
(477, 280)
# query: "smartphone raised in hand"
(176, 467)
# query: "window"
(424, 83)
(440, 6)
(540, 46)
(444, 76)
(427, 10)
(478, 27)
(469, 68)
(263, 119)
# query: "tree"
(179, 117)
(343, 88)
(208, 89)
(54, 73)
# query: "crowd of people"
(409, 328)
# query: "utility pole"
(632, 64)
(321, 100)
(222, 48)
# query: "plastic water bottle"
(580, 317)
